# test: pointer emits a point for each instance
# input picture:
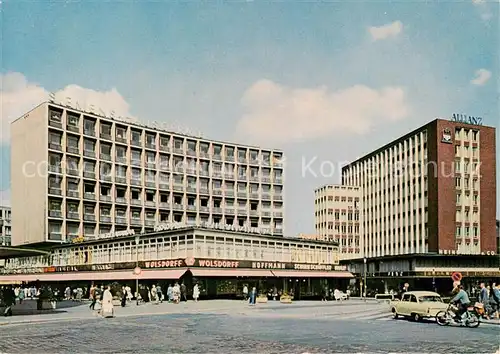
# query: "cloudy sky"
(325, 82)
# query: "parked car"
(418, 305)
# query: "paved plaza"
(234, 326)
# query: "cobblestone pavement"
(229, 327)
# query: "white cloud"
(386, 31)
(18, 96)
(483, 9)
(481, 77)
(276, 113)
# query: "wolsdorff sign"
(176, 263)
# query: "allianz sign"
(462, 118)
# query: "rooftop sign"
(463, 118)
(68, 102)
(213, 226)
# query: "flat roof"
(14, 252)
(194, 228)
(139, 124)
(408, 135)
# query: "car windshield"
(430, 298)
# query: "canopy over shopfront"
(174, 269)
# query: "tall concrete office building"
(76, 174)
(5, 226)
(338, 218)
(430, 191)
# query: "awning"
(309, 274)
(108, 276)
(162, 274)
(202, 272)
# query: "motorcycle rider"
(461, 300)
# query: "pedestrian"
(183, 292)
(245, 292)
(484, 299)
(93, 297)
(67, 293)
(253, 296)
(159, 293)
(154, 295)
(196, 292)
(124, 297)
(107, 304)
(170, 293)
(21, 295)
(176, 292)
(9, 298)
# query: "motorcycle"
(471, 318)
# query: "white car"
(418, 305)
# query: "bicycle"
(471, 320)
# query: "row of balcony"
(240, 212)
(265, 160)
(72, 193)
(107, 175)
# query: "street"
(228, 327)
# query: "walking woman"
(196, 293)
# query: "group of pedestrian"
(489, 296)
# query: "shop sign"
(173, 263)
(312, 267)
(268, 265)
(22, 271)
(466, 252)
(218, 264)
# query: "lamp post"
(137, 270)
(364, 278)
(434, 280)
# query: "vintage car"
(418, 305)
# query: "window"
(72, 121)
(413, 298)
(164, 141)
(136, 136)
(458, 231)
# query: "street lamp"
(137, 269)
(364, 278)
(434, 280)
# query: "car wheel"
(394, 314)
(416, 317)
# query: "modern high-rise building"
(5, 226)
(338, 218)
(76, 174)
(430, 191)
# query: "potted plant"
(261, 299)
(46, 299)
(286, 299)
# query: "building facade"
(221, 261)
(86, 175)
(5, 226)
(430, 191)
(338, 218)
